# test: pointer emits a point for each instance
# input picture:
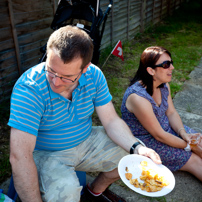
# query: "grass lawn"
(181, 34)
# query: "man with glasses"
(51, 119)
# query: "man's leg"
(100, 154)
(103, 180)
(58, 182)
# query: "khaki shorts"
(56, 170)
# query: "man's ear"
(86, 67)
(151, 71)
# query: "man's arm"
(23, 166)
(120, 133)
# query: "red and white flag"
(118, 51)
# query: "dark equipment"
(85, 14)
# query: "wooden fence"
(25, 27)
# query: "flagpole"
(110, 54)
(115, 46)
(106, 60)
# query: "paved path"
(188, 103)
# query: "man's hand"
(145, 151)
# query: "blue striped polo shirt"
(57, 122)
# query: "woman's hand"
(196, 144)
(200, 141)
(186, 136)
(197, 150)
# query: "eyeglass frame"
(161, 65)
(66, 80)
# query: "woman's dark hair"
(148, 58)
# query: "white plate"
(134, 167)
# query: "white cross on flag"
(118, 51)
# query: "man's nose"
(56, 81)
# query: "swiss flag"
(118, 51)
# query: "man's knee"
(64, 191)
(59, 183)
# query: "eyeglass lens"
(166, 64)
(62, 78)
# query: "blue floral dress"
(173, 158)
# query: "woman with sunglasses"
(148, 110)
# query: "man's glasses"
(66, 80)
(166, 64)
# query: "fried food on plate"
(152, 181)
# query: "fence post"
(153, 13)
(128, 19)
(15, 38)
(142, 15)
(54, 6)
(112, 24)
(161, 14)
(174, 5)
(168, 8)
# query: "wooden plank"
(8, 62)
(33, 26)
(112, 25)
(6, 55)
(6, 87)
(55, 5)
(25, 17)
(10, 76)
(30, 63)
(5, 93)
(6, 45)
(29, 54)
(149, 12)
(34, 36)
(6, 34)
(142, 14)
(153, 11)
(161, 12)
(36, 44)
(3, 8)
(5, 72)
(128, 18)
(14, 35)
(25, 1)
(3, 4)
(4, 20)
(32, 6)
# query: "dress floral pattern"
(173, 158)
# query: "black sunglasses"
(165, 64)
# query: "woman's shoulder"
(136, 92)
(138, 89)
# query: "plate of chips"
(145, 177)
